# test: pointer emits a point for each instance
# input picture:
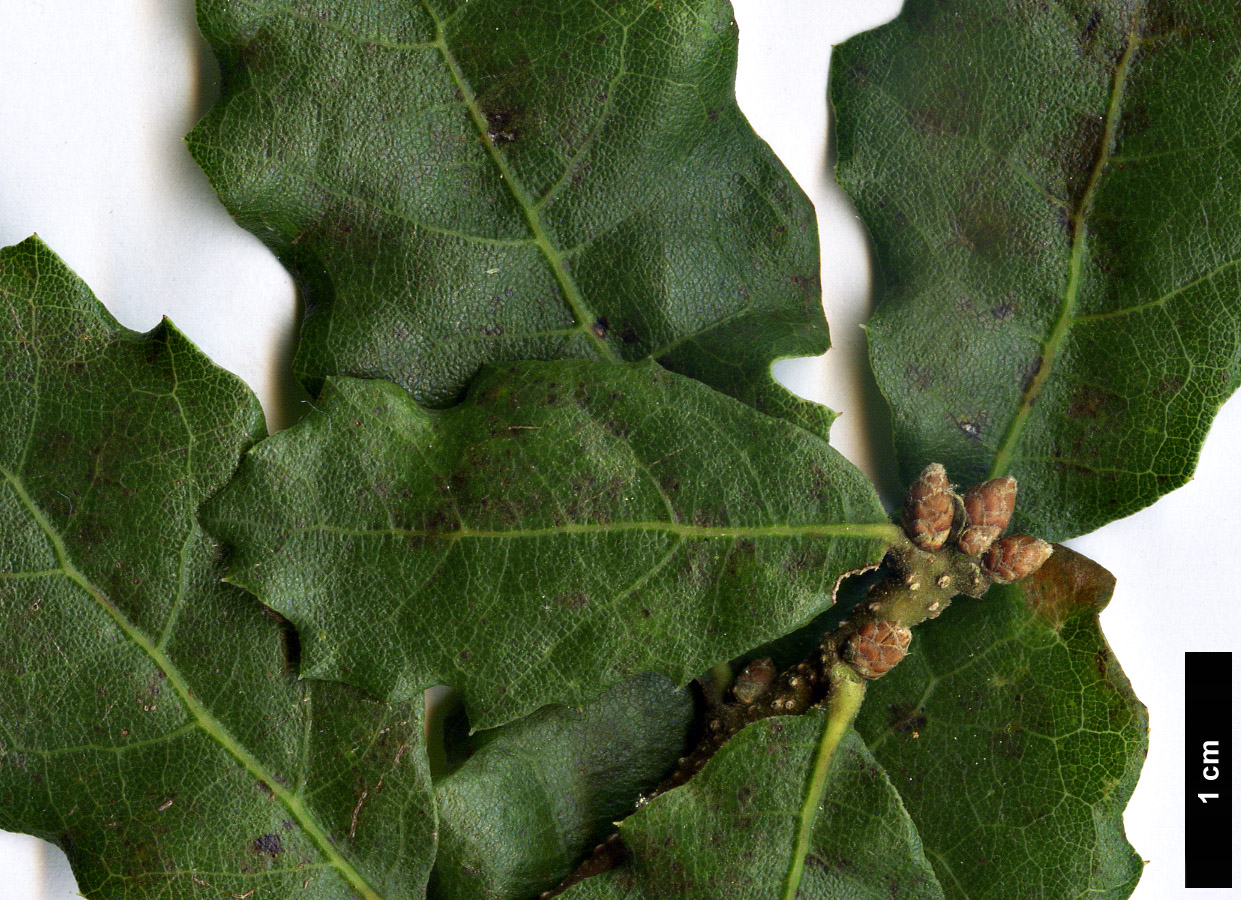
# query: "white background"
(95, 96)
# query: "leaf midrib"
(1066, 315)
(842, 708)
(882, 531)
(202, 716)
(555, 259)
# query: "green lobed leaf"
(568, 525)
(1016, 740)
(519, 814)
(1052, 192)
(732, 831)
(455, 183)
(148, 721)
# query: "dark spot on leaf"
(1165, 18)
(1134, 120)
(600, 327)
(1007, 741)
(1065, 223)
(1076, 153)
(267, 845)
(573, 601)
(807, 559)
(1088, 402)
(918, 377)
(906, 719)
(820, 483)
(1089, 29)
(503, 124)
(252, 53)
(1169, 384)
(1005, 309)
(1031, 372)
(990, 227)
(465, 655)
(973, 427)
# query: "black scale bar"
(1208, 770)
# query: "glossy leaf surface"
(568, 525)
(148, 721)
(733, 831)
(1052, 192)
(1016, 740)
(455, 183)
(517, 816)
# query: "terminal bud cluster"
(954, 547)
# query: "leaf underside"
(1052, 193)
(618, 518)
(517, 816)
(997, 761)
(577, 183)
(1015, 740)
(730, 832)
(459, 183)
(149, 723)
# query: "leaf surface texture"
(618, 518)
(994, 761)
(1052, 195)
(455, 183)
(149, 723)
(1016, 740)
(733, 831)
(539, 793)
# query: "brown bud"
(754, 680)
(988, 507)
(876, 647)
(927, 513)
(1014, 557)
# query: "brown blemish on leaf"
(267, 845)
(573, 601)
(919, 377)
(1169, 384)
(906, 719)
(1028, 375)
(1089, 34)
(1007, 741)
(1089, 402)
(1005, 308)
(1134, 120)
(1166, 19)
(1101, 660)
(504, 125)
(990, 227)
(1067, 585)
(973, 427)
(1076, 153)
